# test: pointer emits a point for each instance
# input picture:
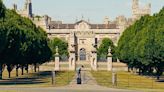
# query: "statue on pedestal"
(109, 51)
(57, 50)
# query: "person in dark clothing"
(79, 74)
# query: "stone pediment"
(81, 22)
(82, 25)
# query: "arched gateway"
(82, 54)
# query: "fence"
(127, 80)
(64, 58)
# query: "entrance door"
(82, 54)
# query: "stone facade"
(82, 36)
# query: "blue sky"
(94, 10)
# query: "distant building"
(26, 11)
(83, 36)
(138, 12)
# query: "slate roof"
(59, 25)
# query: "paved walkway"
(63, 89)
(86, 77)
(89, 84)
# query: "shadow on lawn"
(32, 78)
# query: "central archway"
(82, 54)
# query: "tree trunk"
(0, 71)
(128, 69)
(139, 71)
(38, 68)
(17, 67)
(159, 72)
(9, 69)
(26, 68)
(34, 67)
(158, 77)
(22, 70)
(9, 74)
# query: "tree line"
(21, 42)
(142, 45)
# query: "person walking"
(79, 81)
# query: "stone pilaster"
(72, 61)
(72, 53)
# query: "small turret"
(135, 6)
(29, 8)
(106, 20)
(148, 7)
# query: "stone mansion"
(83, 36)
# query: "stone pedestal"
(57, 64)
(57, 61)
(109, 60)
(94, 61)
(109, 63)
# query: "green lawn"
(38, 79)
(127, 80)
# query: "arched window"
(82, 54)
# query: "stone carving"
(57, 50)
(109, 50)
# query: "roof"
(59, 25)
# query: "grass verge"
(127, 80)
(38, 79)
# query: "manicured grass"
(38, 79)
(127, 80)
(64, 78)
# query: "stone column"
(72, 61)
(109, 60)
(57, 62)
(72, 52)
(94, 59)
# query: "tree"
(142, 46)
(62, 45)
(103, 48)
(22, 43)
(2, 9)
(2, 39)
